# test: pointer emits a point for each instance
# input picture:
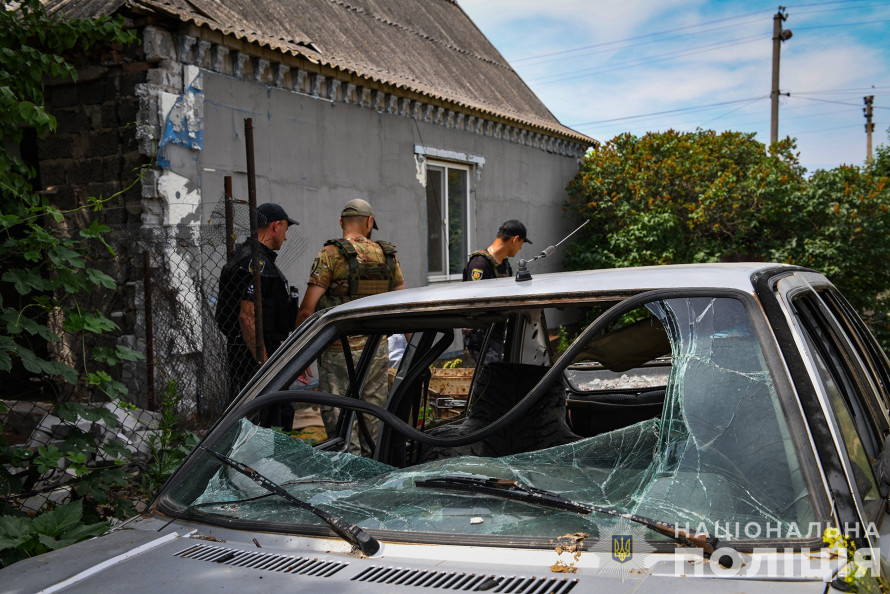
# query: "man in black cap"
(492, 262)
(235, 308)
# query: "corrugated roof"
(427, 46)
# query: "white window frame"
(445, 169)
(445, 161)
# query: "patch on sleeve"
(476, 274)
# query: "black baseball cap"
(514, 228)
(269, 212)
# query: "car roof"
(736, 275)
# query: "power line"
(696, 28)
(731, 111)
(852, 91)
(799, 96)
(834, 26)
(805, 132)
(828, 3)
(582, 73)
(629, 42)
(845, 5)
(669, 111)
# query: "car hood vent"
(264, 561)
(452, 580)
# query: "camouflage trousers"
(333, 377)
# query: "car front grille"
(461, 581)
(264, 561)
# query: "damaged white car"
(646, 429)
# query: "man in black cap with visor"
(235, 310)
(493, 262)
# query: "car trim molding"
(100, 567)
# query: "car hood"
(183, 558)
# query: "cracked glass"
(668, 412)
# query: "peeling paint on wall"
(184, 119)
(420, 167)
(182, 201)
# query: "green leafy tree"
(43, 269)
(45, 272)
(674, 197)
(880, 165)
(838, 224)
(671, 197)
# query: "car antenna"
(523, 274)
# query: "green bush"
(22, 537)
(45, 275)
(671, 197)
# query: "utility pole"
(869, 126)
(779, 35)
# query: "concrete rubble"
(135, 429)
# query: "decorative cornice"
(327, 86)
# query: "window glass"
(436, 243)
(457, 220)
(868, 350)
(448, 220)
(843, 390)
(669, 412)
(863, 475)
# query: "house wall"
(175, 106)
(313, 154)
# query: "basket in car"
(448, 389)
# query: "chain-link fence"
(164, 306)
(176, 311)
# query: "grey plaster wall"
(313, 155)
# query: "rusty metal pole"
(149, 331)
(230, 217)
(255, 243)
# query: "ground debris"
(200, 536)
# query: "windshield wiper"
(506, 490)
(519, 491)
(352, 534)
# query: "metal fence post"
(230, 217)
(255, 243)
(149, 331)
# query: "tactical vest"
(365, 278)
(493, 263)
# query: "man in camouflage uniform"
(492, 262)
(344, 270)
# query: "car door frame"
(785, 288)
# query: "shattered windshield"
(668, 412)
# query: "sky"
(605, 67)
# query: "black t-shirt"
(480, 266)
(236, 285)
